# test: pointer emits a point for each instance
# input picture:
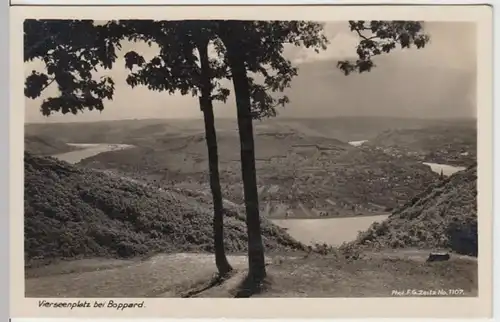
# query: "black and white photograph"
(233, 158)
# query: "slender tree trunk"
(206, 106)
(257, 268)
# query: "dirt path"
(417, 255)
(174, 275)
(163, 275)
(371, 277)
(77, 266)
(160, 274)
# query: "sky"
(438, 81)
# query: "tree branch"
(28, 52)
(363, 36)
(48, 84)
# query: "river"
(335, 231)
(447, 169)
(331, 231)
(357, 143)
(88, 150)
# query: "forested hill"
(444, 216)
(44, 145)
(71, 212)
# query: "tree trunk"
(257, 268)
(206, 106)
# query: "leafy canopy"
(261, 43)
(176, 67)
(73, 50)
(379, 37)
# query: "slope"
(45, 145)
(444, 216)
(72, 213)
(454, 144)
(294, 171)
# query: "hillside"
(448, 144)
(137, 131)
(301, 174)
(444, 216)
(304, 166)
(72, 213)
(45, 145)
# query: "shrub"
(70, 212)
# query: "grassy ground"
(328, 277)
(192, 275)
(160, 275)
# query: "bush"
(70, 212)
(445, 217)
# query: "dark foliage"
(71, 213)
(45, 145)
(445, 216)
(381, 37)
(260, 46)
(176, 67)
(71, 50)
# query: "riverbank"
(331, 231)
(443, 217)
(81, 151)
(445, 169)
(46, 146)
(337, 216)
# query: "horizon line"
(469, 118)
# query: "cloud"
(412, 72)
(452, 44)
(342, 44)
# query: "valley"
(303, 172)
(136, 195)
(237, 158)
